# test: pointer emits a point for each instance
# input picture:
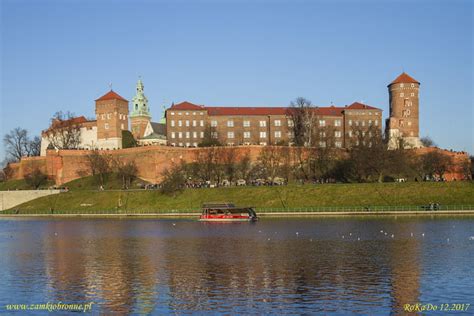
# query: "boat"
(227, 212)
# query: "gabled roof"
(360, 106)
(158, 128)
(111, 95)
(187, 106)
(404, 78)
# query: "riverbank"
(371, 197)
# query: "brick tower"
(403, 122)
(140, 115)
(112, 117)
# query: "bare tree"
(100, 166)
(36, 178)
(174, 180)
(302, 117)
(127, 172)
(436, 164)
(16, 143)
(33, 147)
(65, 131)
(270, 161)
(210, 138)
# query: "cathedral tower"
(403, 122)
(112, 117)
(140, 115)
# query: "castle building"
(402, 126)
(105, 132)
(187, 123)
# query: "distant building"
(403, 122)
(188, 123)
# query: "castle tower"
(140, 115)
(112, 117)
(403, 122)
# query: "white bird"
(411, 234)
(393, 235)
(55, 234)
(423, 234)
(268, 239)
(350, 234)
(342, 236)
(381, 231)
(448, 239)
(174, 224)
(385, 233)
(358, 238)
(311, 240)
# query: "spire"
(140, 102)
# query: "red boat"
(227, 212)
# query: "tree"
(174, 180)
(128, 141)
(302, 117)
(100, 166)
(36, 178)
(210, 138)
(435, 163)
(244, 166)
(65, 131)
(127, 172)
(16, 143)
(33, 147)
(427, 142)
(228, 160)
(270, 161)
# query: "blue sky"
(62, 55)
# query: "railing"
(315, 209)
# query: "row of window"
(403, 94)
(106, 126)
(362, 123)
(187, 123)
(402, 85)
(108, 116)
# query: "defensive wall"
(9, 199)
(66, 165)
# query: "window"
(172, 123)
(194, 113)
(263, 134)
(402, 95)
(370, 122)
(322, 123)
(201, 113)
(187, 113)
(350, 122)
(201, 123)
(263, 144)
(201, 134)
(363, 123)
(401, 85)
(179, 113)
(214, 134)
(246, 123)
(277, 134)
(188, 144)
(180, 135)
(195, 134)
(290, 123)
(180, 144)
(173, 144)
(194, 123)
(263, 123)
(350, 133)
(187, 134)
(230, 134)
(246, 134)
(122, 126)
(412, 85)
(230, 123)
(277, 123)
(172, 113)
(322, 144)
(337, 122)
(412, 94)
(337, 134)
(106, 126)
(338, 144)
(195, 144)
(187, 122)
(357, 123)
(409, 123)
(108, 116)
(180, 123)
(214, 123)
(322, 134)
(173, 135)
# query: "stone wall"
(66, 165)
(9, 199)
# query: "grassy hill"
(82, 200)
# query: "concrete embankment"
(262, 215)
(9, 199)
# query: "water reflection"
(341, 265)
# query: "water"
(326, 265)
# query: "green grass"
(90, 183)
(291, 196)
(21, 185)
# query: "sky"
(62, 55)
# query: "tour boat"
(227, 212)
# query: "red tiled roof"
(234, 110)
(111, 95)
(361, 106)
(404, 78)
(187, 106)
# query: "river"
(326, 265)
